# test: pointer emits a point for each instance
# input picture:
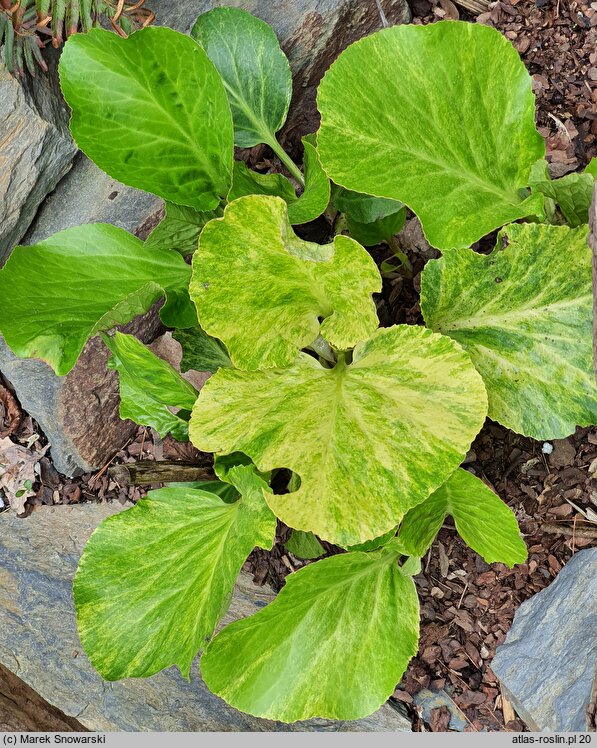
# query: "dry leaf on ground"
(17, 473)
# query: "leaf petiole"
(285, 159)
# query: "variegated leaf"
(154, 581)
(261, 290)
(439, 117)
(368, 440)
(524, 314)
(334, 643)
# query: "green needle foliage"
(371, 424)
(26, 26)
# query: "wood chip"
(507, 710)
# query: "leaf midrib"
(497, 320)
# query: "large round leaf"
(254, 69)
(482, 520)
(439, 117)
(154, 581)
(58, 293)
(334, 643)
(152, 112)
(524, 314)
(262, 290)
(368, 440)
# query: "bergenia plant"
(361, 429)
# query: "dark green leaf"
(363, 208)
(249, 182)
(313, 200)
(369, 234)
(179, 229)
(316, 193)
(572, 192)
(254, 69)
(304, 545)
(200, 351)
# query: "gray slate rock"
(427, 700)
(88, 195)
(311, 32)
(548, 663)
(39, 643)
(34, 156)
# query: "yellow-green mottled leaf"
(524, 314)
(334, 643)
(149, 387)
(482, 520)
(152, 112)
(179, 229)
(439, 117)
(255, 71)
(59, 292)
(368, 440)
(154, 581)
(261, 290)
(304, 545)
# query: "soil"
(467, 606)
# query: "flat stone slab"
(89, 195)
(39, 642)
(548, 663)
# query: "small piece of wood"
(474, 6)
(23, 709)
(507, 710)
(580, 532)
(166, 471)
